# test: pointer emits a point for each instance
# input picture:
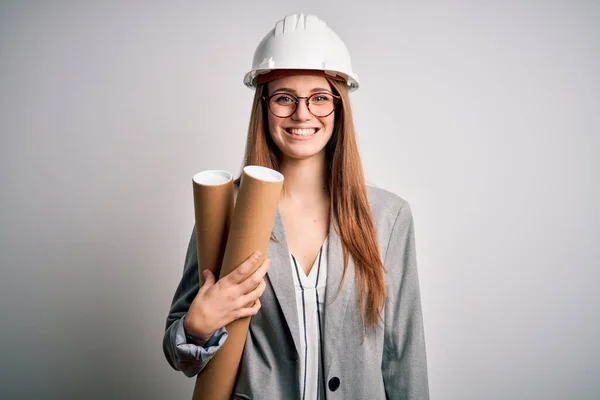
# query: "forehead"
(299, 83)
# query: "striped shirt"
(310, 300)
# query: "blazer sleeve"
(183, 354)
(404, 365)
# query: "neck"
(305, 180)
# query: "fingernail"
(257, 255)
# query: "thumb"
(209, 279)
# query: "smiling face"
(301, 135)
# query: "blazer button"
(334, 383)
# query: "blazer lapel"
(335, 304)
(282, 281)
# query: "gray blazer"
(388, 363)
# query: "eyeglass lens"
(284, 104)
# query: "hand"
(220, 302)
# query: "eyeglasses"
(319, 104)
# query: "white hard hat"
(302, 42)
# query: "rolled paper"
(213, 209)
(251, 226)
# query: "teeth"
(302, 132)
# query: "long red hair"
(349, 206)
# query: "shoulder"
(385, 204)
(391, 213)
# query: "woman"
(337, 313)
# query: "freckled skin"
(302, 86)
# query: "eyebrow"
(290, 90)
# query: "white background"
(484, 115)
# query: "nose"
(302, 113)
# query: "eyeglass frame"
(336, 99)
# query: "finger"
(253, 280)
(209, 279)
(242, 271)
(247, 299)
(250, 311)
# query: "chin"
(304, 155)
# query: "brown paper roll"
(251, 225)
(213, 208)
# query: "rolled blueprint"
(213, 208)
(251, 225)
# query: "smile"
(304, 132)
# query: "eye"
(283, 99)
(320, 98)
